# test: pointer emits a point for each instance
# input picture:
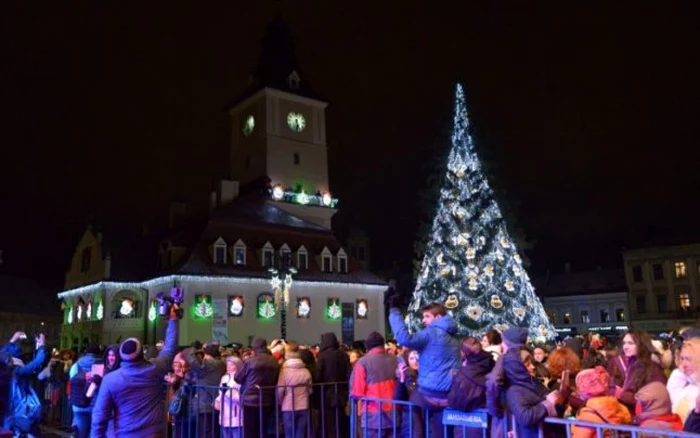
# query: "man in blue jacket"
(133, 395)
(438, 346)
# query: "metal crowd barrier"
(614, 429)
(398, 420)
(325, 416)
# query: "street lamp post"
(281, 283)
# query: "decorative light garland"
(203, 308)
(100, 311)
(334, 312)
(169, 280)
(278, 193)
(152, 314)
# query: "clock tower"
(279, 131)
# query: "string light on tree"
(470, 263)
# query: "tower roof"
(277, 64)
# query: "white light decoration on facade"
(127, 307)
(80, 312)
(169, 280)
(327, 199)
(277, 193)
(152, 312)
(236, 307)
(70, 315)
(88, 311)
(100, 311)
(303, 198)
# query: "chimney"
(177, 214)
(228, 191)
(212, 202)
(567, 267)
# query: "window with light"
(684, 301)
(680, 269)
(567, 318)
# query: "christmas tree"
(471, 265)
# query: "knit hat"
(131, 350)
(515, 336)
(259, 344)
(374, 340)
(592, 382)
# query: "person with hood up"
(293, 390)
(438, 346)
(133, 394)
(653, 409)
(228, 400)
(592, 386)
(82, 370)
(333, 366)
(259, 370)
(527, 399)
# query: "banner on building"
(219, 323)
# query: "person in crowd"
(690, 358)
(527, 399)
(81, 377)
(228, 402)
(392, 347)
(175, 379)
(682, 386)
(560, 360)
(468, 391)
(132, 394)
(592, 386)
(374, 377)
(16, 379)
(653, 409)
(528, 361)
(293, 390)
(634, 368)
(333, 367)
(354, 355)
(206, 370)
(540, 355)
(407, 375)
(438, 346)
(491, 343)
(111, 358)
(260, 370)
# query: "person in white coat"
(228, 402)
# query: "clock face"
(296, 122)
(248, 125)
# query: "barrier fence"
(329, 412)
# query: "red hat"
(592, 382)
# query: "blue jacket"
(86, 362)
(134, 395)
(21, 377)
(438, 346)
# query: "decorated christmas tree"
(471, 265)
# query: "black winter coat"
(333, 366)
(468, 390)
(260, 370)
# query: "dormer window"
(285, 256)
(239, 253)
(342, 261)
(326, 260)
(268, 255)
(219, 255)
(302, 258)
(293, 80)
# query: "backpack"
(26, 408)
(78, 388)
(467, 393)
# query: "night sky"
(586, 112)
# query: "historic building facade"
(262, 260)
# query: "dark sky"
(587, 111)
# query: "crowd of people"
(209, 390)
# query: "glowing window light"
(203, 307)
(303, 307)
(277, 193)
(88, 311)
(236, 306)
(100, 311)
(334, 312)
(266, 306)
(362, 309)
(152, 312)
(327, 199)
(127, 307)
(303, 198)
(70, 315)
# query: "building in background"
(275, 215)
(663, 286)
(587, 301)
